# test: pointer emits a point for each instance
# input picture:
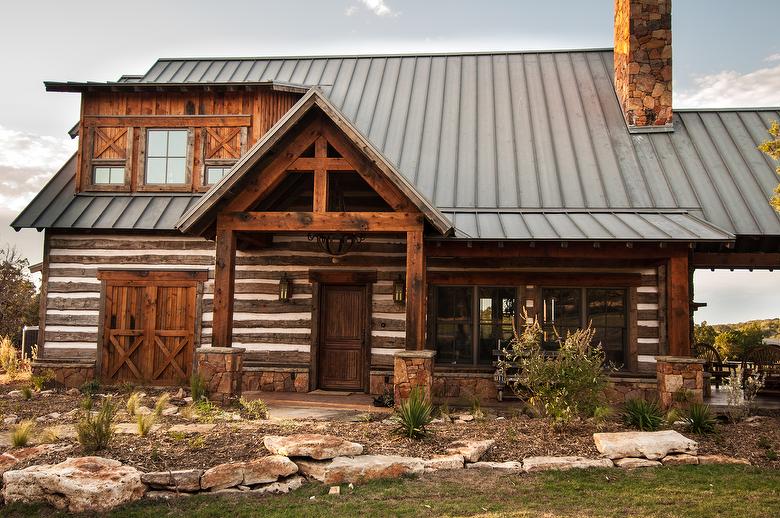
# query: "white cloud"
(27, 161)
(730, 89)
(378, 7)
(773, 57)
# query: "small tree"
(704, 333)
(772, 148)
(19, 298)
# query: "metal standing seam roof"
(495, 134)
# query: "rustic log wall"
(276, 333)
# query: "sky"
(726, 53)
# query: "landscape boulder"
(283, 486)
(633, 463)
(76, 485)
(472, 451)
(437, 462)
(257, 471)
(651, 445)
(315, 446)
(186, 480)
(511, 465)
(532, 464)
(681, 459)
(342, 470)
(722, 459)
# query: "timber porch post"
(415, 291)
(678, 332)
(224, 281)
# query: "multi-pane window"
(470, 322)
(215, 173)
(166, 156)
(566, 309)
(108, 175)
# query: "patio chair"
(715, 366)
(766, 360)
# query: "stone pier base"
(221, 368)
(680, 380)
(66, 374)
(412, 369)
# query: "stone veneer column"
(412, 369)
(643, 61)
(678, 375)
(220, 368)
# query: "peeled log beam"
(321, 222)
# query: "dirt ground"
(229, 438)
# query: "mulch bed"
(517, 436)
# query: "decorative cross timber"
(110, 142)
(222, 142)
(123, 357)
(170, 355)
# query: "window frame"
(89, 163)
(475, 321)
(227, 164)
(186, 185)
(115, 164)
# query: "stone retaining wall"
(292, 379)
(69, 375)
(465, 386)
(619, 389)
(412, 369)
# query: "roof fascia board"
(54, 86)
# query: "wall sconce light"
(285, 288)
(399, 290)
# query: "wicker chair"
(766, 360)
(714, 365)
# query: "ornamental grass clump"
(415, 414)
(198, 389)
(561, 386)
(161, 403)
(133, 403)
(9, 357)
(95, 431)
(145, 423)
(20, 434)
(643, 415)
(699, 419)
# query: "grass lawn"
(689, 491)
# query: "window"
(215, 173)
(108, 175)
(166, 156)
(566, 309)
(462, 310)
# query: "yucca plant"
(643, 415)
(415, 414)
(95, 431)
(20, 434)
(699, 419)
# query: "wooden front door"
(148, 331)
(342, 350)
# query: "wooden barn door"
(342, 337)
(149, 330)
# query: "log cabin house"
(357, 222)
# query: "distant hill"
(770, 326)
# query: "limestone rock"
(315, 446)
(13, 457)
(510, 465)
(334, 490)
(78, 485)
(679, 460)
(187, 480)
(652, 445)
(257, 471)
(164, 495)
(632, 463)
(11, 419)
(472, 451)
(722, 459)
(143, 410)
(180, 394)
(171, 410)
(73, 392)
(342, 470)
(454, 461)
(283, 486)
(532, 464)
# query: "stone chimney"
(643, 63)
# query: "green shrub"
(90, 387)
(145, 423)
(699, 419)
(95, 431)
(42, 380)
(86, 403)
(255, 409)
(562, 386)
(198, 388)
(385, 400)
(601, 414)
(415, 414)
(20, 434)
(643, 415)
(132, 403)
(27, 393)
(161, 403)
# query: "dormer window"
(108, 175)
(166, 156)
